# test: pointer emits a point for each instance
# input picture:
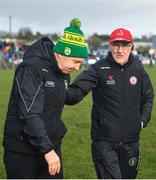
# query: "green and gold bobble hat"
(72, 43)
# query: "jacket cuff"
(142, 124)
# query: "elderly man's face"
(68, 64)
(120, 51)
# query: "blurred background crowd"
(13, 48)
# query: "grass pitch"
(76, 144)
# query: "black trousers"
(25, 166)
(116, 161)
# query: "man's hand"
(53, 162)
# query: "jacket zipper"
(123, 105)
(62, 88)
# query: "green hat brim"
(76, 51)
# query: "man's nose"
(77, 67)
(119, 48)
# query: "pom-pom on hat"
(121, 34)
(72, 43)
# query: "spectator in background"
(122, 104)
(33, 128)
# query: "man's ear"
(57, 56)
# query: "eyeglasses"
(122, 45)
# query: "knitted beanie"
(72, 43)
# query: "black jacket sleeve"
(30, 101)
(85, 82)
(147, 96)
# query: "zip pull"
(122, 69)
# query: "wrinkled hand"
(53, 161)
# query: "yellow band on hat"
(72, 38)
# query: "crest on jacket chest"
(50, 84)
(133, 80)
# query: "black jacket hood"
(40, 49)
(43, 49)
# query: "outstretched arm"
(81, 86)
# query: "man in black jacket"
(33, 129)
(122, 104)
